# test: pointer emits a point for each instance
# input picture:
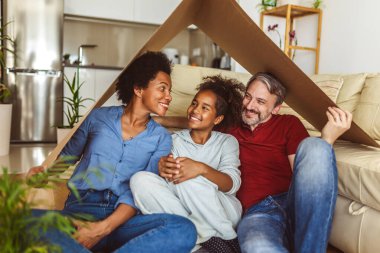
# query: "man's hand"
(89, 234)
(339, 121)
(168, 167)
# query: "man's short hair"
(273, 85)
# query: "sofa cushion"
(185, 79)
(359, 172)
(367, 114)
(349, 95)
(330, 85)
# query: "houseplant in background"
(274, 29)
(266, 5)
(317, 4)
(5, 93)
(293, 42)
(72, 104)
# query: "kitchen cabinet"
(95, 82)
(110, 9)
(142, 11)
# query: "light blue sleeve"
(75, 146)
(163, 149)
(229, 162)
(126, 198)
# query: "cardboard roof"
(232, 29)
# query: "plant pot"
(62, 133)
(5, 128)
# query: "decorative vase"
(61, 133)
(5, 128)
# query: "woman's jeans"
(299, 220)
(141, 233)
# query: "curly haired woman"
(113, 143)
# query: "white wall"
(350, 36)
(350, 40)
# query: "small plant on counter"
(73, 102)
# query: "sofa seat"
(355, 228)
(359, 173)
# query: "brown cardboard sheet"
(231, 28)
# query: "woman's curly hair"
(229, 93)
(140, 72)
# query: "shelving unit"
(291, 12)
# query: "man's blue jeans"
(142, 233)
(299, 220)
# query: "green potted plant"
(5, 93)
(266, 5)
(19, 230)
(72, 104)
(317, 4)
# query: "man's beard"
(256, 120)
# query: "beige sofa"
(356, 224)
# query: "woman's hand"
(35, 170)
(37, 176)
(90, 233)
(339, 121)
(168, 167)
(187, 169)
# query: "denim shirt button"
(125, 145)
(119, 161)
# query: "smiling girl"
(203, 177)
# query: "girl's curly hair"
(140, 72)
(229, 93)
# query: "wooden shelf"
(296, 11)
(291, 12)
